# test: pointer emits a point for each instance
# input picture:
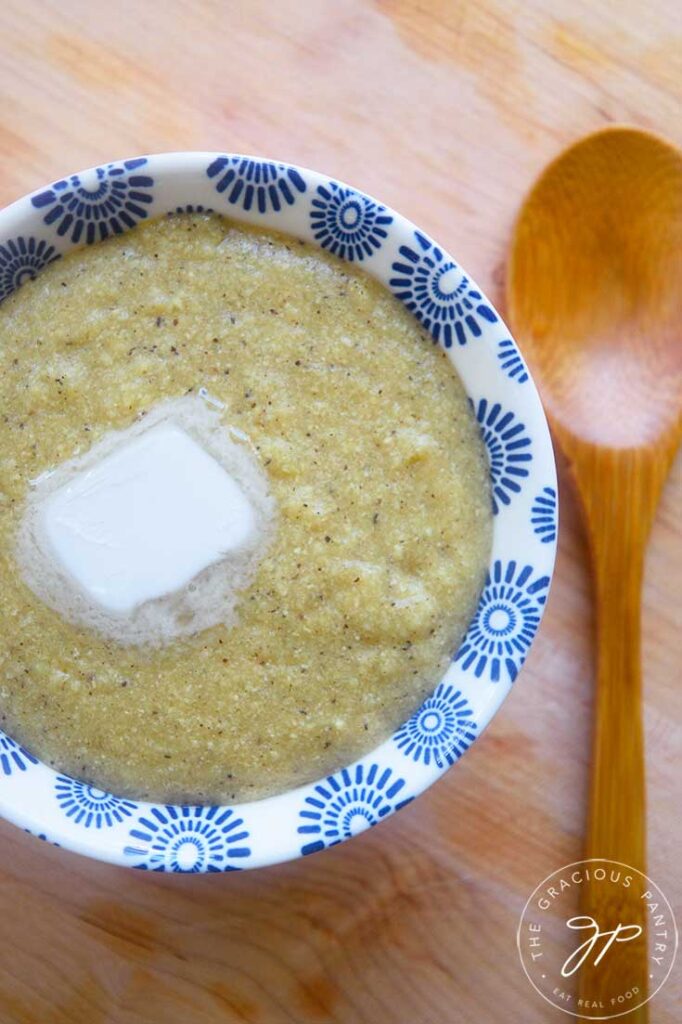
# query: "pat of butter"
(146, 519)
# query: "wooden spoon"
(595, 298)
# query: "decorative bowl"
(84, 208)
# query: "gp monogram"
(581, 955)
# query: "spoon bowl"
(600, 240)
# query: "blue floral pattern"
(348, 803)
(89, 211)
(189, 839)
(440, 731)
(509, 451)
(42, 836)
(21, 259)
(256, 184)
(512, 363)
(191, 208)
(439, 293)
(89, 806)
(350, 225)
(14, 758)
(544, 515)
(505, 622)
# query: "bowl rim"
(307, 204)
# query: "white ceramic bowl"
(86, 207)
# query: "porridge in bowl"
(355, 448)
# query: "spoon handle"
(616, 826)
(619, 499)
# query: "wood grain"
(447, 111)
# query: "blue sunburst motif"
(347, 223)
(110, 200)
(89, 806)
(544, 515)
(439, 293)
(441, 730)
(512, 363)
(348, 803)
(508, 450)
(20, 260)
(256, 184)
(42, 836)
(190, 208)
(14, 758)
(505, 622)
(189, 839)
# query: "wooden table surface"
(447, 110)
